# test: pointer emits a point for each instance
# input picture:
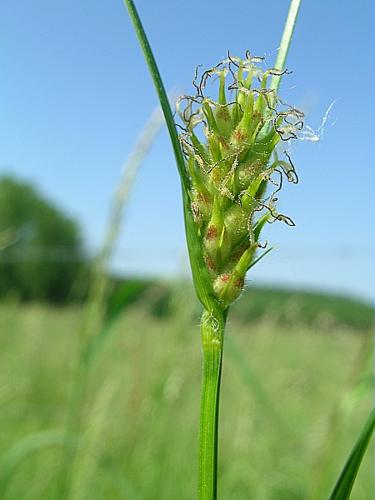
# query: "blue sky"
(75, 94)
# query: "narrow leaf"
(255, 261)
(159, 86)
(345, 482)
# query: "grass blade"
(345, 482)
(285, 41)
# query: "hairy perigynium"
(235, 173)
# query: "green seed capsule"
(228, 288)
(236, 223)
(224, 121)
(247, 172)
(213, 234)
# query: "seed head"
(230, 147)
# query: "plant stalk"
(212, 331)
(285, 41)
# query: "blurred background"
(99, 354)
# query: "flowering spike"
(233, 166)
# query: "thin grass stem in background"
(93, 328)
(100, 282)
(28, 445)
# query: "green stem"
(285, 41)
(212, 330)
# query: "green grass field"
(295, 395)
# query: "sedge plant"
(226, 150)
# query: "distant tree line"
(42, 258)
(41, 250)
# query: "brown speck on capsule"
(210, 263)
(225, 277)
(239, 136)
(211, 233)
